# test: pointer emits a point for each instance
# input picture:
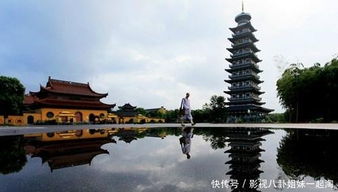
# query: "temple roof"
(127, 106)
(66, 94)
(67, 103)
(69, 87)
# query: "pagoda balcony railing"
(243, 31)
(243, 42)
(243, 64)
(243, 53)
(245, 99)
(233, 77)
(243, 87)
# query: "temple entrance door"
(30, 119)
(78, 116)
(92, 118)
(64, 119)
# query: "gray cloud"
(151, 52)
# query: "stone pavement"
(19, 130)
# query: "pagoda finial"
(242, 5)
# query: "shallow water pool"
(170, 159)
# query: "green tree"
(11, 96)
(141, 111)
(12, 154)
(310, 93)
(217, 109)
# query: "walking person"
(185, 110)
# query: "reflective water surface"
(168, 159)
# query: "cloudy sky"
(150, 52)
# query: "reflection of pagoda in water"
(245, 155)
(67, 148)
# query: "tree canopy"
(310, 94)
(11, 95)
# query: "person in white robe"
(185, 107)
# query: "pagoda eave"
(235, 58)
(246, 25)
(235, 68)
(244, 45)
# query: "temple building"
(244, 103)
(128, 114)
(65, 102)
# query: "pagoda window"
(246, 30)
(101, 115)
(50, 114)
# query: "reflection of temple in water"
(67, 148)
(245, 155)
(79, 147)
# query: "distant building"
(128, 114)
(244, 102)
(160, 110)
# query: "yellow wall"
(36, 117)
(15, 120)
(140, 119)
(162, 110)
(41, 116)
(2, 120)
(85, 113)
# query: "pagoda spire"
(242, 5)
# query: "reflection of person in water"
(185, 140)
